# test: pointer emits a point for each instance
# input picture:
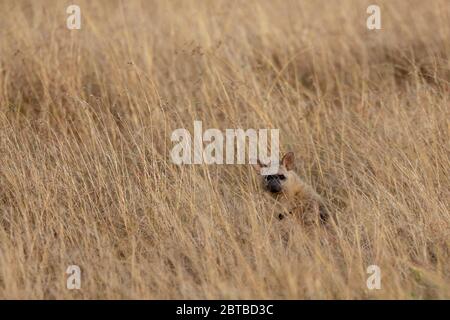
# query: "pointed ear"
(258, 166)
(288, 161)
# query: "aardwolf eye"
(275, 177)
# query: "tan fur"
(297, 198)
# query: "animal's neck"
(297, 188)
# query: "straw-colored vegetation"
(85, 171)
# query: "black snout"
(274, 186)
(273, 182)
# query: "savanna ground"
(85, 171)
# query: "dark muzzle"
(274, 186)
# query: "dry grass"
(85, 124)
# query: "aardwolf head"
(285, 183)
(282, 181)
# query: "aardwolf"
(293, 195)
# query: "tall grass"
(85, 172)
